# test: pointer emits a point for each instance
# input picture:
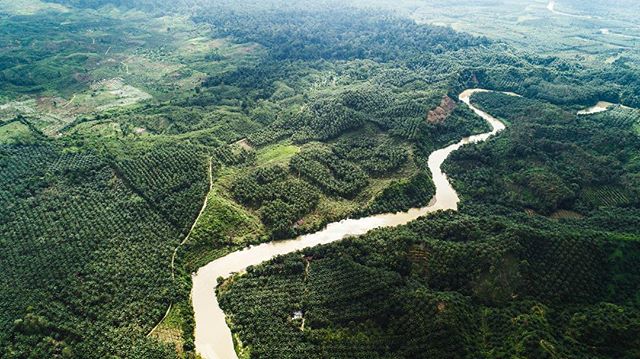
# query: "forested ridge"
(309, 113)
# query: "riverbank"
(213, 337)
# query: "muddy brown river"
(213, 338)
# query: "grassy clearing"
(170, 329)
(223, 227)
(231, 219)
(41, 113)
(203, 45)
(101, 129)
(15, 132)
(142, 67)
(278, 154)
(375, 187)
(51, 114)
(112, 93)
(329, 209)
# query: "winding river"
(213, 338)
(551, 6)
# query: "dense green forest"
(551, 160)
(534, 289)
(86, 247)
(119, 120)
(550, 219)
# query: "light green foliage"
(16, 132)
(223, 224)
(276, 154)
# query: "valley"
(296, 179)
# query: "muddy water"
(603, 106)
(212, 335)
(599, 107)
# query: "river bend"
(213, 338)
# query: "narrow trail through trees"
(186, 238)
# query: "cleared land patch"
(15, 132)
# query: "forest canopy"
(141, 140)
